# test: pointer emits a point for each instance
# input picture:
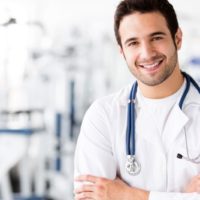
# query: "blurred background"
(56, 58)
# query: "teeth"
(151, 66)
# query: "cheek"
(167, 49)
(169, 52)
(130, 57)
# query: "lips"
(151, 66)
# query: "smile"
(152, 66)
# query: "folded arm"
(94, 156)
(105, 189)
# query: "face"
(148, 47)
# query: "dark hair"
(127, 7)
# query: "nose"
(147, 51)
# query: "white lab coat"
(101, 146)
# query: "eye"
(156, 38)
(133, 43)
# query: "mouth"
(151, 67)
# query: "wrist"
(145, 195)
(137, 194)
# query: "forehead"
(142, 24)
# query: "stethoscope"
(133, 167)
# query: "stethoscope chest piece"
(133, 167)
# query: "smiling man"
(143, 142)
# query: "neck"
(165, 89)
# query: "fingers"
(85, 188)
(92, 188)
(197, 185)
(198, 177)
(194, 185)
(84, 196)
(86, 191)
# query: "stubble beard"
(157, 78)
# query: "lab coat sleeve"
(173, 196)
(94, 155)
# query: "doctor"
(143, 143)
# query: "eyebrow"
(151, 35)
(157, 33)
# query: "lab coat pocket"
(181, 170)
(187, 163)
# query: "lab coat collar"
(194, 96)
(174, 125)
(123, 95)
(177, 120)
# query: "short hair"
(127, 7)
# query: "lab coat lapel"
(174, 125)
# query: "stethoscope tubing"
(187, 88)
(130, 136)
(130, 131)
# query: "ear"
(120, 49)
(178, 38)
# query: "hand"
(105, 189)
(194, 185)
(100, 189)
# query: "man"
(166, 120)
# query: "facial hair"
(159, 78)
